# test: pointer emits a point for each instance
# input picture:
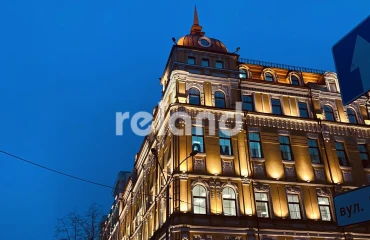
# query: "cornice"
(279, 88)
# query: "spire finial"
(196, 28)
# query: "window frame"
(194, 197)
(289, 144)
(268, 73)
(224, 137)
(259, 142)
(196, 135)
(294, 203)
(191, 58)
(266, 202)
(229, 200)
(317, 147)
(219, 98)
(365, 162)
(343, 150)
(243, 73)
(219, 62)
(273, 106)
(297, 80)
(329, 112)
(324, 205)
(244, 103)
(353, 114)
(207, 61)
(303, 109)
(193, 94)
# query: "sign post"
(353, 207)
(352, 62)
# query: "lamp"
(174, 40)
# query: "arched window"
(229, 201)
(194, 96)
(200, 199)
(269, 77)
(220, 99)
(294, 80)
(352, 116)
(329, 113)
(243, 73)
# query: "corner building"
(274, 180)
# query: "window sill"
(317, 165)
(229, 157)
(289, 162)
(258, 159)
(345, 167)
(200, 155)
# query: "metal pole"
(167, 211)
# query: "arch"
(269, 75)
(295, 79)
(194, 96)
(199, 198)
(229, 201)
(220, 99)
(329, 113)
(243, 72)
(352, 116)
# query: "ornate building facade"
(275, 179)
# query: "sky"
(67, 67)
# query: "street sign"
(353, 207)
(352, 62)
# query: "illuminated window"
(194, 96)
(324, 207)
(191, 60)
(269, 77)
(294, 206)
(225, 142)
(243, 73)
(220, 99)
(314, 151)
(364, 155)
(248, 102)
(229, 201)
(197, 139)
(329, 113)
(303, 110)
(285, 149)
(255, 145)
(351, 116)
(262, 204)
(205, 62)
(294, 80)
(341, 153)
(199, 199)
(276, 106)
(220, 64)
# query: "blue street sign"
(353, 207)
(352, 62)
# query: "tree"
(75, 226)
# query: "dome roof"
(196, 38)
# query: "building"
(274, 180)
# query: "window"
(229, 201)
(329, 113)
(351, 116)
(200, 199)
(262, 204)
(197, 139)
(220, 99)
(248, 102)
(276, 106)
(294, 80)
(255, 145)
(324, 207)
(314, 151)
(269, 77)
(243, 73)
(205, 62)
(341, 153)
(194, 96)
(333, 87)
(364, 155)
(220, 64)
(225, 142)
(285, 149)
(191, 60)
(303, 110)
(294, 206)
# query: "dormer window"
(333, 87)
(243, 73)
(352, 116)
(269, 77)
(294, 80)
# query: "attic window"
(204, 42)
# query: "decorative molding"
(283, 132)
(253, 129)
(227, 166)
(199, 164)
(347, 176)
(245, 180)
(259, 169)
(293, 190)
(323, 192)
(290, 170)
(338, 139)
(261, 188)
(312, 135)
(361, 141)
(319, 174)
(202, 237)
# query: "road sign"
(352, 62)
(353, 207)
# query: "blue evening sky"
(66, 67)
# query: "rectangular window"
(205, 62)
(285, 149)
(248, 102)
(314, 151)
(255, 145)
(294, 206)
(262, 204)
(197, 139)
(191, 60)
(364, 155)
(276, 106)
(324, 207)
(341, 153)
(225, 142)
(220, 64)
(303, 110)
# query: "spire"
(196, 29)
